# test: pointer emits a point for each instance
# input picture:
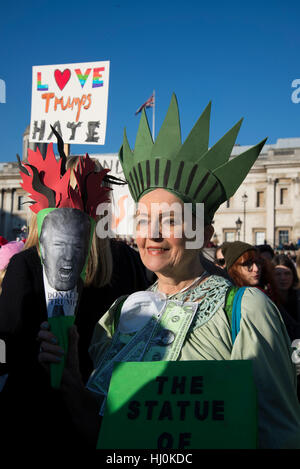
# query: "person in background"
(8, 250)
(287, 282)
(291, 256)
(3, 241)
(246, 267)
(243, 263)
(210, 265)
(219, 257)
(266, 251)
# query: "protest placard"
(182, 405)
(73, 99)
(123, 207)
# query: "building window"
(229, 236)
(283, 237)
(260, 199)
(260, 237)
(20, 202)
(228, 203)
(283, 196)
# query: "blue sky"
(241, 55)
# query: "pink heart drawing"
(62, 78)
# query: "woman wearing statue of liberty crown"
(185, 297)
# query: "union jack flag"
(148, 103)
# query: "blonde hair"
(32, 236)
(100, 261)
(2, 274)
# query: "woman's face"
(250, 271)
(164, 249)
(284, 277)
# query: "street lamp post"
(238, 227)
(244, 200)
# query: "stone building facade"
(14, 209)
(13, 212)
(268, 201)
(269, 213)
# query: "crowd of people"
(277, 275)
(121, 311)
(273, 273)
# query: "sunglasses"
(220, 261)
(249, 264)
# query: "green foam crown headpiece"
(190, 170)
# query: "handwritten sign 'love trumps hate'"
(73, 99)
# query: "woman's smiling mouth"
(154, 251)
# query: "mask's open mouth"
(65, 273)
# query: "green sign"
(182, 405)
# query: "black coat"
(290, 313)
(28, 400)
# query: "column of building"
(2, 213)
(270, 209)
(295, 194)
(7, 208)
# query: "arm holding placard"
(83, 405)
(264, 340)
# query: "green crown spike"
(189, 170)
(221, 151)
(125, 153)
(198, 139)
(144, 142)
(125, 148)
(239, 165)
(168, 140)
